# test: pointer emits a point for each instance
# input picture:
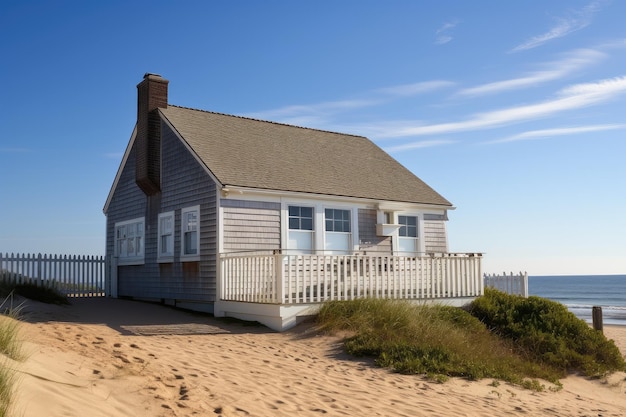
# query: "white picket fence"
(72, 275)
(508, 283)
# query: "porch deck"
(283, 285)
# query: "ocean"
(579, 293)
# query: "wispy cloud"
(562, 131)
(575, 20)
(570, 98)
(443, 35)
(408, 90)
(420, 145)
(553, 71)
(321, 114)
(313, 114)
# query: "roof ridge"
(267, 121)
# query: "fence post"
(113, 277)
(280, 282)
(525, 285)
(596, 313)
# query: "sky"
(513, 111)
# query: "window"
(408, 226)
(129, 241)
(337, 237)
(407, 234)
(166, 236)
(300, 218)
(190, 233)
(301, 228)
(337, 220)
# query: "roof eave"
(129, 147)
(229, 190)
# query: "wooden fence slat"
(74, 276)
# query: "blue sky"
(514, 111)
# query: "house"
(263, 220)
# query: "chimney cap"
(150, 75)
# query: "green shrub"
(433, 340)
(547, 332)
(49, 295)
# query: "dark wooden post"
(596, 313)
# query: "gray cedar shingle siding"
(435, 236)
(251, 226)
(184, 183)
(264, 155)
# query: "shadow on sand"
(130, 317)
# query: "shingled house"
(263, 220)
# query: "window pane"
(409, 226)
(339, 242)
(407, 245)
(301, 241)
(191, 220)
(191, 247)
(300, 218)
(337, 220)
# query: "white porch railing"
(301, 279)
(73, 275)
(510, 284)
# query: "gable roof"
(257, 154)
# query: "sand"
(107, 357)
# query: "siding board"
(251, 226)
(435, 239)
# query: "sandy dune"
(105, 357)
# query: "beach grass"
(10, 348)
(440, 342)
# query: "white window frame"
(413, 241)
(300, 237)
(166, 254)
(333, 239)
(130, 234)
(184, 229)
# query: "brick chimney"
(151, 95)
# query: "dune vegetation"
(509, 338)
(10, 350)
(10, 342)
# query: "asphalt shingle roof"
(251, 153)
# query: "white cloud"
(553, 71)
(578, 19)
(321, 114)
(443, 34)
(311, 112)
(416, 88)
(570, 98)
(419, 145)
(546, 133)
